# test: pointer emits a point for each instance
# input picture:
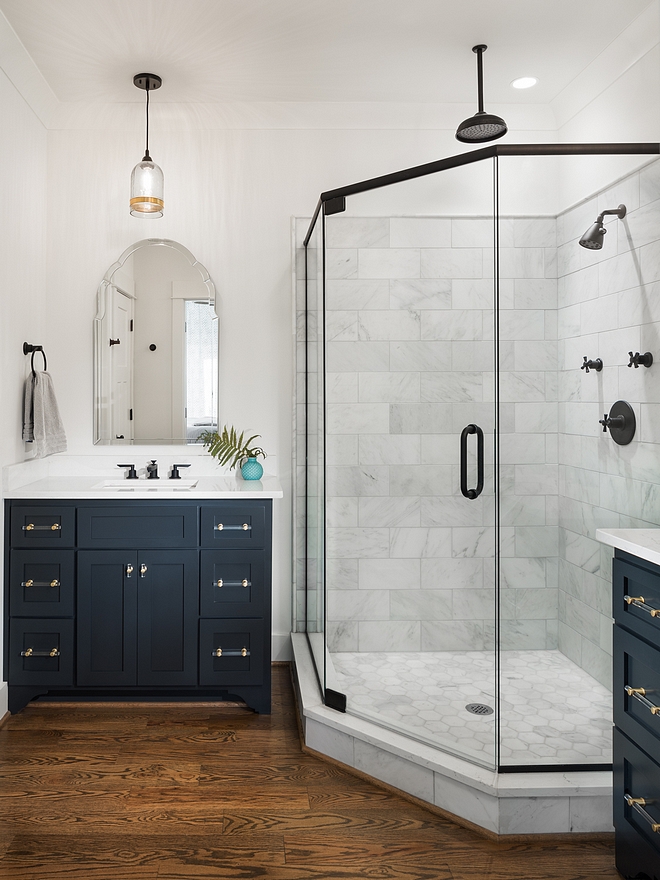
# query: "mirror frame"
(100, 313)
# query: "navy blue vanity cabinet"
(636, 598)
(139, 600)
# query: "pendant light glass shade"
(147, 185)
(147, 181)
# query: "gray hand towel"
(41, 416)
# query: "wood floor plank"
(351, 849)
(193, 792)
(175, 870)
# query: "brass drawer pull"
(638, 602)
(640, 694)
(30, 527)
(129, 570)
(32, 583)
(230, 652)
(246, 527)
(638, 805)
(30, 652)
(222, 583)
(143, 570)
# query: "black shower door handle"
(472, 493)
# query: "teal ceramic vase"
(251, 470)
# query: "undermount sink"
(146, 485)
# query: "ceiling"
(314, 50)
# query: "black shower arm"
(620, 212)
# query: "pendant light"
(482, 126)
(147, 179)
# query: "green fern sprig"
(229, 447)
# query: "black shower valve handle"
(612, 422)
(636, 359)
(596, 365)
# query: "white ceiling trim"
(636, 41)
(24, 74)
(168, 117)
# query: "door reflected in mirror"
(155, 348)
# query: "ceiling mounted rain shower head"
(482, 126)
(593, 237)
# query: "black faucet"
(132, 473)
(152, 470)
(175, 475)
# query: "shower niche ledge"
(500, 804)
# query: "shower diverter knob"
(621, 422)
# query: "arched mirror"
(155, 348)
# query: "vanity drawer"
(37, 526)
(232, 583)
(41, 652)
(232, 525)
(636, 776)
(641, 584)
(231, 666)
(136, 526)
(41, 583)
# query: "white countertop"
(644, 543)
(207, 487)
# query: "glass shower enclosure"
(443, 575)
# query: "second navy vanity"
(636, 686)
(143, 598)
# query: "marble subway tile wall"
(410, 362)
(609, 304)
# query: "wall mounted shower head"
(482, 126)
(593, 237)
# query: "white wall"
(23, 265)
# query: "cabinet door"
(107, 617)
(168, 596)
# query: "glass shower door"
(410, 377)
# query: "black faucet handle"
(132, 473)
(636, 359)
(152, 470)
(596, 365)
(175, 475)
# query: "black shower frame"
(334, 202)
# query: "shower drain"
(479, 709)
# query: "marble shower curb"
(511, 803)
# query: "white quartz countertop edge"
(207, 487)
(644, 543)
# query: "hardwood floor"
(171, 793)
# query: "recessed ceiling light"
(524, 82)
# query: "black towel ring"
(27, 348)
